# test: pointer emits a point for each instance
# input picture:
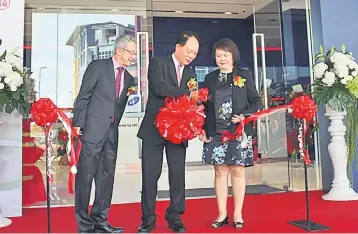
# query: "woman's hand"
(237, 118)
(203, 138)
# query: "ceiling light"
(228, 13)
(114, 9)
(40, 8)
(179, 11)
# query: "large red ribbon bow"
(45, 113)
(181, 119)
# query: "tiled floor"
(198, 176)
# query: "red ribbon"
(181, 119)
(303, 108)
(45, 113)
(75, 151)
(203, 95)
(302, 149)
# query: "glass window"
(74, 38)
(202, 71)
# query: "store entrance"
(281, 67)
(274, 42)
(273, 38)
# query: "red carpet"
(262, 213)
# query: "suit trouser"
(152, 161)
(97, 161)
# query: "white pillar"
(341, 189)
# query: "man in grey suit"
(97, 112)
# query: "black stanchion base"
(309, 226)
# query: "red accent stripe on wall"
(270, 49)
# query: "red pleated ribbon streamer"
(181, 119)
(45, 113)
(74, 152)
(303, 108)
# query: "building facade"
(93, 42)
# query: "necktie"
(118, 80)
(178, 74)
(118, 84)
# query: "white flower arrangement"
(336, 85)
(13, 88)
(336, 79)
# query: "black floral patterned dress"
(235, 152)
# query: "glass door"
(74, 38)
(281, 65)
(142, 66)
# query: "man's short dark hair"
(184, 36)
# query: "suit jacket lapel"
(185, 77)
(110, 71)
(213, 83)
(126, 84)
(172, 70)
(236, 93)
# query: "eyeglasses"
(131, 52)
(191, 52)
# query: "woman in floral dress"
(233, 96)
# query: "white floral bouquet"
(336, 85)
(336, 79)
(13, 87)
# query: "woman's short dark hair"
(228, 45)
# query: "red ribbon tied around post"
(45, 113)
(303, 108)
(181, 119)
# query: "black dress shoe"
(146, 227)
(108, 229)
(176, 226)
(238, 225)
(219, 224)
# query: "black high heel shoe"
(238, 225)
(219, 224)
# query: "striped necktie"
(178, 74)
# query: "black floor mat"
(207, 192)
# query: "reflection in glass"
(66, 43)
(282, 28)
(62, 45)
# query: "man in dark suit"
(97, 112)
(167, 77)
